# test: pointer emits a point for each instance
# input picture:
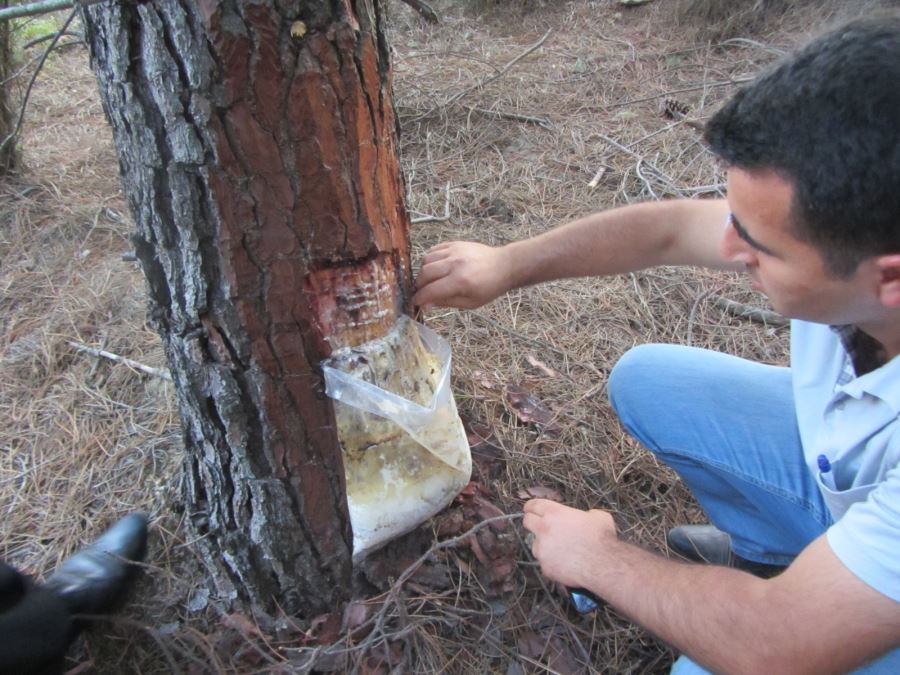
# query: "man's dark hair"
(827, 119)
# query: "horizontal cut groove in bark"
(353, 304)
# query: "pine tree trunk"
(257, 147)
(8, 158)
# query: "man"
(795, 467)
(37, 622)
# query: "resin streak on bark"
(263, 176)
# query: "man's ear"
(889, 284)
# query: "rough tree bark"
(8, 158)
(257, 147)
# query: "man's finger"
(440, 293)
(535, 506)
(432, 271)
(439, 252)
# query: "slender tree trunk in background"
(257, 146)
(8, 158)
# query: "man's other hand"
(462, 274)
(568, 543)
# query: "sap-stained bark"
(261, 166)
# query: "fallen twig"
(743, 311)
(437, 219)
(162, 373)
(528, 119)
(424, 9)
(665, 178)
(698, 87)
(79, 39)
(744, 42)
(693, 314)
(391, 596)
(595, 181)
(505, 69)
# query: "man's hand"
(462, 274)
(568, 542)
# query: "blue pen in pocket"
(825, 472)
(584, 600)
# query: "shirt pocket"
(838, 501)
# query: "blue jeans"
(727, 426)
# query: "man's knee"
(635, 376)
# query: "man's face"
(790, 272)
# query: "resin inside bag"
(405, 450)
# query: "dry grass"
(84, 441)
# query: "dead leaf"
(450, 523)
(381, 659)
(463, 566)
(502, 569)
(528, 407)
(241, 624)
(488, 510)
(539, 492)
(531, 645)
(475, 545)
(356, 613)
(486, 454)
(325, 629)
(550, 649)
(470, 489)
(434, 577)
(477, 433)
(541, 366)
(560, 658)
(484, 379)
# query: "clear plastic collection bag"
(405, 450)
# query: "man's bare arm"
(816, 617)
(626, 239)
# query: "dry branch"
(483, 83)
(150, 370)
(682, 90)
(79, 39)
(15, 132)
(743, 311)
(45, 7)
(437, 219)
(424, 10)
(595, 181)
(528, 119)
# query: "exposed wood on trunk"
(257, 144)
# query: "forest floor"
(515, 117)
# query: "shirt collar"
(882, 383)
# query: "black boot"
(707, 544)
(92, 580)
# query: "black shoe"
(95, 577)
(707, 544)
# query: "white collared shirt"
(855, 424)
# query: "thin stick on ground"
(527, 119)
(483, 83)
(756, 314)
(437, 219)
(161, 373)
